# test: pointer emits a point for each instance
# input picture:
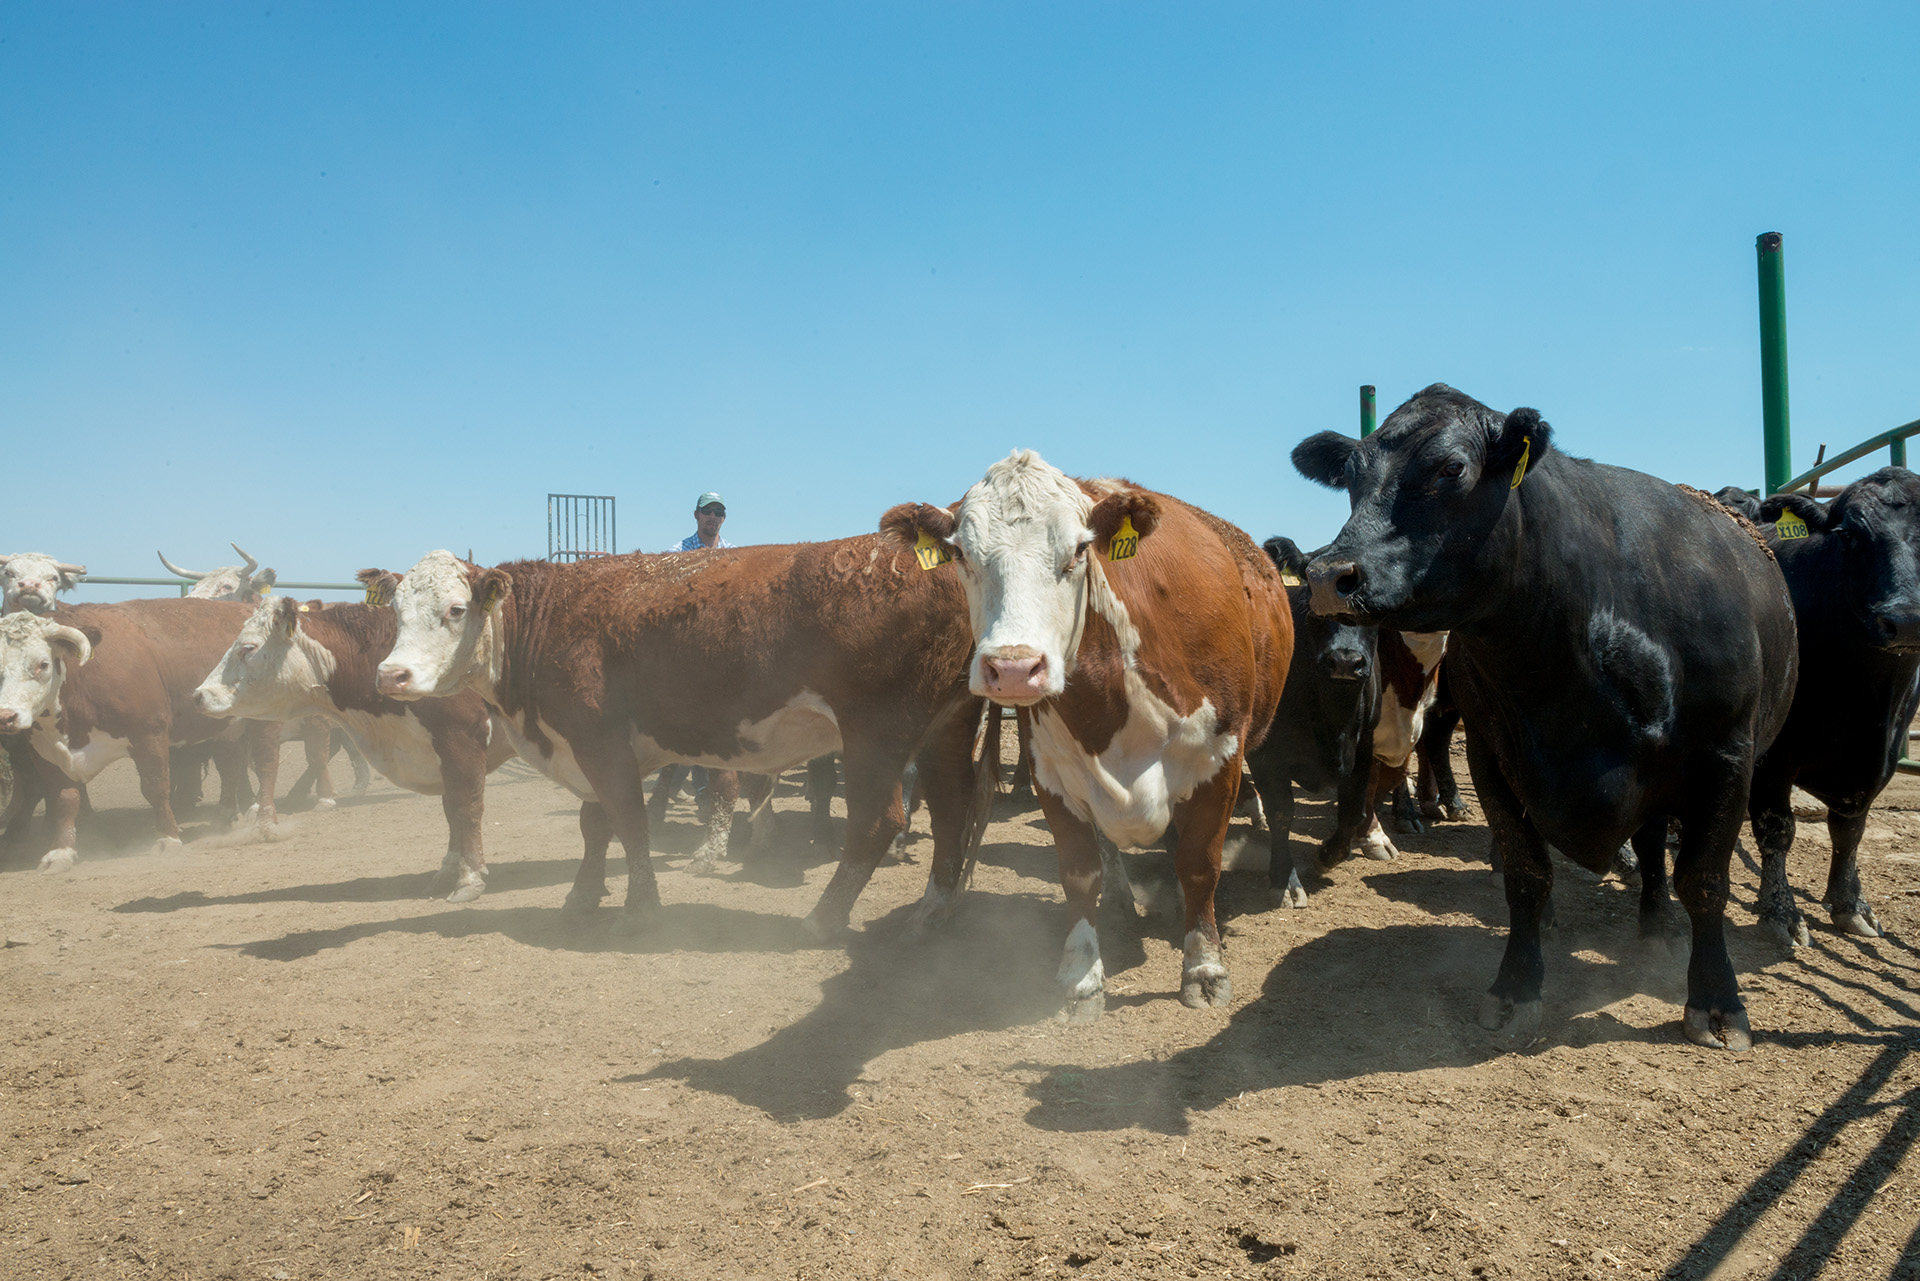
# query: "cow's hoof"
(1786, 934)
(1718, 1029)
(1518, 1019)
(59, 860)
(702, 865)
(1858, 921)
(466, 893)
(825, 929)
(166, 843)
(1408, 824)
(1380, 848)
(1083, 1009)
(1456, 809)
(1292, 894)
(326, 803)
(1209, 985)
(579, 904)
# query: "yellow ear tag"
(373, 594)
(267, 590)
(493, 598)
(303, 609)
(930, 551)
(1520, 468)
(1790, 526)
(1291, 579)
(1125, 544)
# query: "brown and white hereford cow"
(292, 661)
(99, 682)
(1409, 680)
(1147, 643)
(752, 658)
(29, 583)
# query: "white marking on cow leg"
(166, 844)
(59, 860)
(933, 909)
(1375, 843)
(1203, 973)
(1082, 974)
(714, 847)
(325, 803)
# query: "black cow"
(1853, 566)
(1322, 734)
(1621, 650)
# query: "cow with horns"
(30, 583)
(1146, 643)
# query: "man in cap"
(709, 513)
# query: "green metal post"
(1366, 411)
(1773, 361)
(1898, 450)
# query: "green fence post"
(1773, 361)
(1366, 411)
(1898, 450)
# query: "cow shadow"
(528, 874)
(990, 967)
(675, 927)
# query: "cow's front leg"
(263, 749)
(874, 817)
(1659, 930)
(1081, 874)
(1375, 843)
(149, 752)
(1770, 809)
(1844, 897)
(823, 774)
(1513, 1002)
(607, 761)
(463, 781)
(1275, 789)
(1715, 1016)
(590, 882)
(717, 803)
(63, 797)
(958, 792)
(1203, 819)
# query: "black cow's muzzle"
(1898, 631)
(1334, 583)
(1344, 665)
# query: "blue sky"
(348, 282)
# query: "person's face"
(710, 518)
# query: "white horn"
(252, 564)
(62, 567)
(184, 573)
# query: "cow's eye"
(40, 668)
(247, 649)
(1452, 470)
(456, 612)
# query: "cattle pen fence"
(186, 585)
(1776, 433)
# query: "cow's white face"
(34, 653)
(1023, 540)
(271, 670)
(231, 582)
(29, 581)
(445, 629)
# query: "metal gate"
(579, 526)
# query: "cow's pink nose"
(1019, 677)
(9, 721)
(392, 680)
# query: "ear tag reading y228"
(930, 551)
(1790, 526)
(1520, 469)
(373, 594)
(1125, 544)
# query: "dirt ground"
(280, 1061)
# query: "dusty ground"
(278, 1060)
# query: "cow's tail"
(986, 782)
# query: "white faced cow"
(1146, 643)
(229, 582)
(30, 580)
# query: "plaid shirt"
(692, 543)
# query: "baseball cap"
(707, 498)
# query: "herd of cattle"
(1629, 658)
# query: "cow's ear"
(1736, 499)
(1807, 509)
(1518, 445)
(73, 643)
(286, 614)
(1114, 511)
(490, 587)
(904, 524)
(1286, 556)
(1323, 458)
(380, 585)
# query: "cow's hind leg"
(607, 761)
(1082, 973)
(1513, 1002)
(1714, 1015)
(823, 775)
(1659, 928)
(1770, 809)
(959, 797)
(63, 809)
(873, 766)
(590, 882)
(717, 804)
(1275, 789)
(1203, 819)
(462, 877)
(149, 752)
(1844, 897)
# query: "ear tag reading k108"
(1789, 527)
(930, 551)
(1125, 544)
(1520, 468)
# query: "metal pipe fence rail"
(186, 584)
